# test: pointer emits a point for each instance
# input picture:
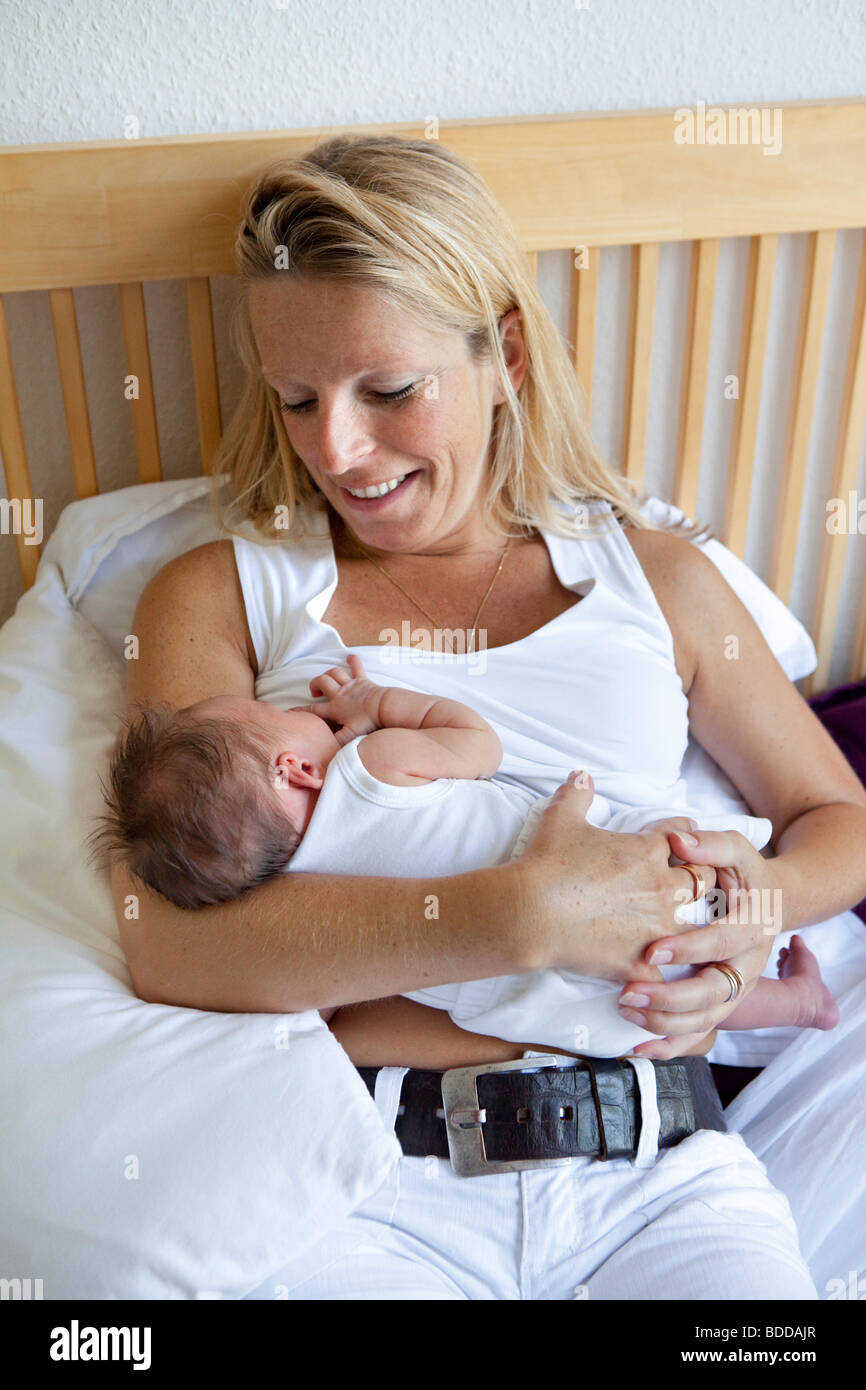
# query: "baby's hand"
(351, 700)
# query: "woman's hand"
(683, 1011)
(598, 899)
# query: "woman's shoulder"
(196, 595)
(195, 573)
(670, 557)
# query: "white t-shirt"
(363, 826)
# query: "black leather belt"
(529, 1113)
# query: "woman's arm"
(762, 733)
(309, 941)
(759, 729)
(298, 941)
(314, 941)
(402, 1032)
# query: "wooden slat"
(18, 484)
(74, 390)
(846, 463)
(113, 211)
(644, 279)
(134, 320)
(204, 366)
(753, 345)
(584, 298)
(128, 211)
(804, 387)
(693, 395)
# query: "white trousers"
(698, 1221)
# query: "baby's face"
(301, 745)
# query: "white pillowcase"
(148, 1151)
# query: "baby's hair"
(189, 810)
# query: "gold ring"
(700, 881)
(735, 980)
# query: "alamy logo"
(740, 125)
(75, 1343)
(22, 516)
(23, 1289)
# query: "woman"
(393, 341)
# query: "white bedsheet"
(156, 1152)
(805, 1118)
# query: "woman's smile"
(396, 487)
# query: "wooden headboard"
(123, 212)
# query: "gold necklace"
(437, 625)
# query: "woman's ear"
(513, 350)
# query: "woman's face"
(334, 352)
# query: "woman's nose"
(343, 441)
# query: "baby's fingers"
(327, 683)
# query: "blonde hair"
(413, 221)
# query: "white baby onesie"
(453, 825)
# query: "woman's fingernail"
(661, 957)
(632, 1016)
(688, 839)
(639, 1001)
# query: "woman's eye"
(385, 396)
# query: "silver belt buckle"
(465, 1120)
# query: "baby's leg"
(799, 997)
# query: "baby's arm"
(411, 737)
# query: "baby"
(208, 801)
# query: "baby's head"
(207, 801)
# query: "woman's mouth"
(378, 495)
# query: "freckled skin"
(318, 341)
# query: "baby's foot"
(816, 1007)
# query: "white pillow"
(148, 1151)
(107, 548)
